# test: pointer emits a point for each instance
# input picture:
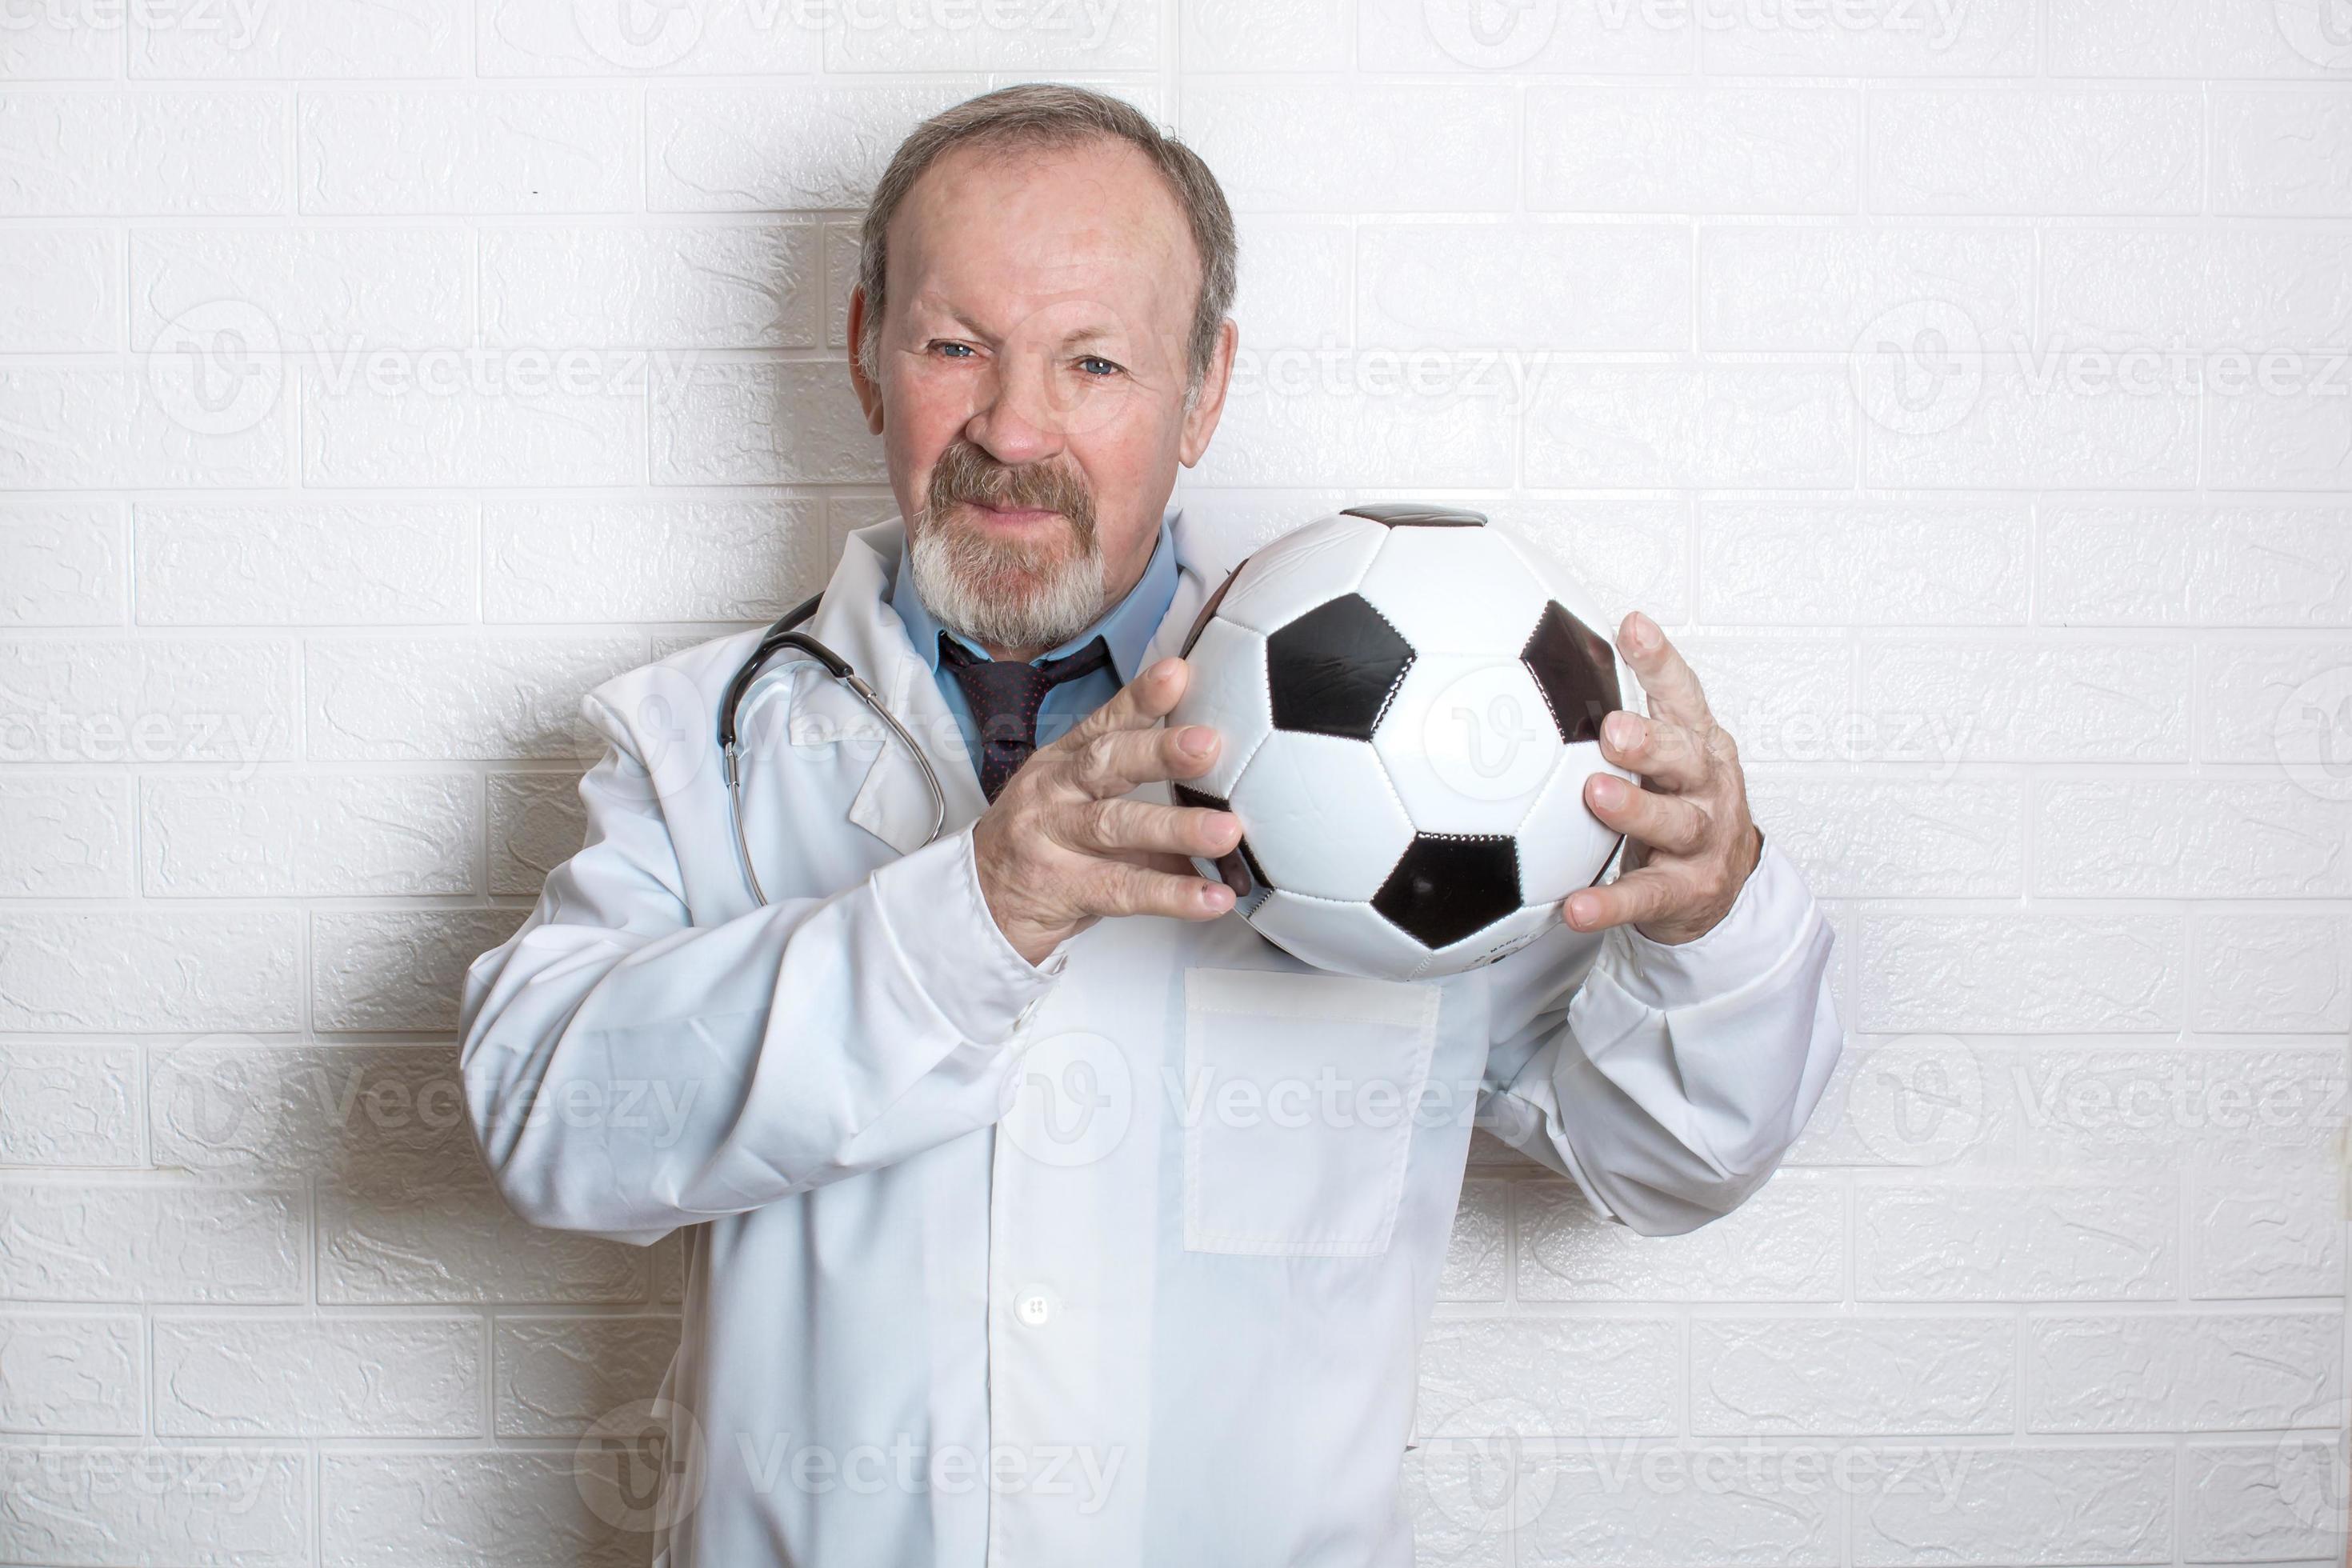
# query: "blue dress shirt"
(1126, 628)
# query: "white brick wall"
(1963, 381)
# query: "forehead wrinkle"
(1143, 248)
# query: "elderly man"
(982, 1265)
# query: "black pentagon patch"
(1237, 867)
(1574, 668)
(1333, 669)
(1417, 514)
(1447, 885)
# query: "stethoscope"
(772, 641)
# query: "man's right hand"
(1060, 847)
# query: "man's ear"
(1200, 420)
(869, 393)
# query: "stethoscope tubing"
(774, 640)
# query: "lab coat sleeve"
(1668, 1082)
(626, 1073)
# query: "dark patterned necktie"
(1005, 697)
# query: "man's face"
(1031, 383)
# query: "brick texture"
(1964, 386)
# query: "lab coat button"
(1034, 1307)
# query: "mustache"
(965, 473)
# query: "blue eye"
(951, 350)
(1096, 365)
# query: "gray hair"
(1050, 114)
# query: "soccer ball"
(1410, 709)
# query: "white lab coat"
(1120, 1260)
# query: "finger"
(1118, 887)
(1669, 756)
(1668, 682)
(1644, 895)
(1141, 703)
(1123, 827)
(1116, 760)
(1664, 822)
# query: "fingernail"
(1641, 631)
(1581, 909)
(1196, 740)
(1608, 790)
(1228, 825)
(1213, 895)
(1622, 730)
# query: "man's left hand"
(1691, 843)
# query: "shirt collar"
(1126, 628)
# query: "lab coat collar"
(855, 619)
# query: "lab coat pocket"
(1299, 1103)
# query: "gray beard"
(995, 594)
